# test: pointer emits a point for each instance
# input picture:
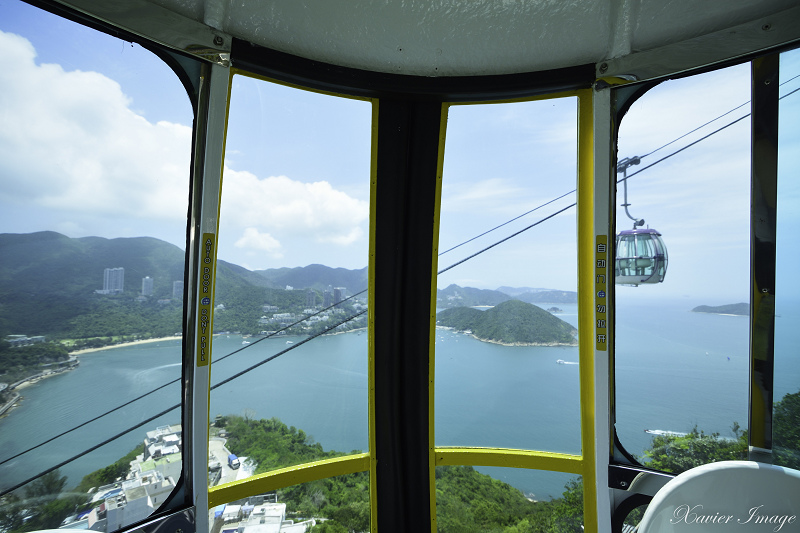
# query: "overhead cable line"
(295, 345)
(698, 140)
(172, 408)
(713, 120)
(115, 409)
(639, 157)
(523, 230)
(507, 222)
(89, 450)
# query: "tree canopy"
(512, 322)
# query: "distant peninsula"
(742, 309)
(512, 323)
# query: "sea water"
(674, 370)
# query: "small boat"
(561, 362)
(245, 342)
(289, 342)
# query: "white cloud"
(287, 208)
(255, 240)
(69, 142)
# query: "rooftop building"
(113, 281)
(177, 289)
(147, 286)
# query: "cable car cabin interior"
(341, 266)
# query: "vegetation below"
(110, 473)
(786, 431)
(510, 322)
(466, 499)
(42, 505)
(270, 444)
(679, 453)
(24, 361)
(729, 309)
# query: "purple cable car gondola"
(641, 257)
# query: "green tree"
(12, 513)
(567, 516)
(786, 431)
(678, 453)
(354, 516)
(328, 526)
(47, 487)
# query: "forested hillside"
(455, 296)
(48, 283)
(317, 277)
(511, 322)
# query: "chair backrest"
(735, 496)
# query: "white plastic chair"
(735, 496)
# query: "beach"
(122, 344)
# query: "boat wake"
(562, 362)
(665, 432)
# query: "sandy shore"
(35, 380)
(123, 344)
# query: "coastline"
(501, 343)
(123, 344)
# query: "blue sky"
(95, 140)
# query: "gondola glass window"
(681, 351)
(506, 346)
(291, 281)
(95, 144)
(786, 414)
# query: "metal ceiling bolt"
(603, 67)
(218, 40)
(766, 27)
(623, 484)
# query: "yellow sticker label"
(206, 299)
(600, 291)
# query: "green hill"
(455, 296)
(510, 322)
(317, 277)
(729, 309)
(48, 283)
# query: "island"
(512, 323)
(742, 309)
(554, 310)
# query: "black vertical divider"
(407, 156)
(763, 223)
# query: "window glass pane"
(469, 500)
(292, 277)
(327, 505)
(682, 344)
(786, 413)
(95, 144)
(508, 316)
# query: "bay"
(672, 373)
